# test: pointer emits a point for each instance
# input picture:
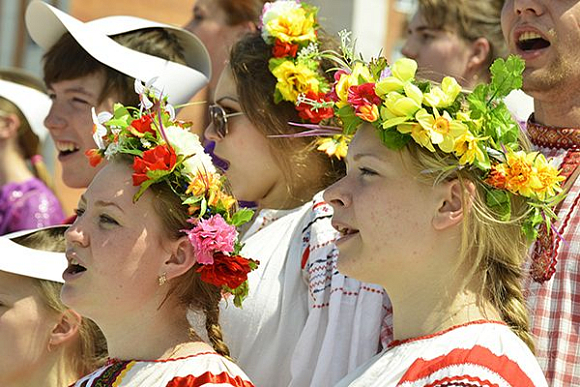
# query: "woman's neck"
(154, 334)
(13, 168)
(436, 299)
(430, 315)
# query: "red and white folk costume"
(204, 369)
(553, 297)
(480, 353)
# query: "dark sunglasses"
(219, 119)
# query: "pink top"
(28, 205)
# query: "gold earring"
(162, 279)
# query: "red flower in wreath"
(143, 125)
(160, 158)
(363, 95)
(284, 49)
(308, 112)
(94, 156)
(227, 270)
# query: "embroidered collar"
(553, 137)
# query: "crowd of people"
(339, 222)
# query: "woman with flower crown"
(155, 236)
(440, 202)
(303, 324)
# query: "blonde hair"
(91, 349)
(492, 249)
(28, 142)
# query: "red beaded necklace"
(545, 254)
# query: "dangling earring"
(162, 279)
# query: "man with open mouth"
(545, 34)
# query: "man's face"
(545, 33)
(70, 125)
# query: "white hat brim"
(24, 261)
(46, 24)
(33, 104)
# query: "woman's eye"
(367, 172)
(426, 37)
(80, 101)
(79, 212)
(108, 220)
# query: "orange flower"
(94, 156)
(497, 177)
(368, 113)
(210, 186)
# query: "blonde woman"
(440, 202)
(155, 236)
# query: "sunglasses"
(219, 119)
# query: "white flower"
(274, 10)
(169, 109)
(146, 90)
(145, 143)
(99, 130)
(187, 144)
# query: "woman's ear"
(66, 328)
(480, 49)
(9, 125)
(454, 205)
(182, 259)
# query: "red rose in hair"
(308, 112)
(143, 124)
(160, 158)
(281, 49)
(231, 271)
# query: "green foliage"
(243, 215)
(393, 139)
(350, 121)
(499, 202)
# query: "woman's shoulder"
(481, 353)
(203, 369)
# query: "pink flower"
(210, 236)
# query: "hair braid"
(504, 280)
(214, 330)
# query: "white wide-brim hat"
(24, 261)
(46, 24)
(33, 104)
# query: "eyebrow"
(359, 156)
(102, 203)
(78, 89)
